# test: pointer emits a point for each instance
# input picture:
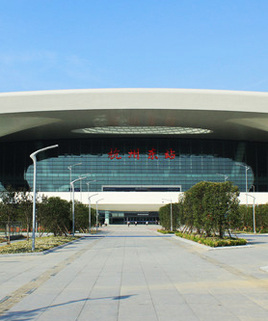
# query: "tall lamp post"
(97, 211)
(88, 183)
(89, 204)
(171, 216)
(72, 185)
(81, 185)
(33, 157)
(254, 218)
(89, 211)
(246, 172)
(70, 169)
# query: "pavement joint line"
(31, 291)
(96, 280)
(247, 277)
(9, 301)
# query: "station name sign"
(114, 153)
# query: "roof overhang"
(233, 115)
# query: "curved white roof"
(64, 113)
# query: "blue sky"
(76, 44)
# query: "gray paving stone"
(131, 274)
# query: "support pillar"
(107, 217)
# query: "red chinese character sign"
(135, 153)
(170, 154)
(114, 154)
(152, 154)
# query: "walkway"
(136, 274)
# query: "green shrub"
(165, 232)
(212, 241)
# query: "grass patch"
(213, 241)
(41, 244)
(209, 241)
(165, 232)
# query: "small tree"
(55, 214)
(197, 214)
(82, 216)
(25, 209)
(262, 217)
(9, 200)
(221, 200)
(164, 216)
(211, 207)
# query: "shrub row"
(206, 208)
(209, 241)
(212, 241)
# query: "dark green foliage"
(8, 205)
(213, 241)
(164, 216)
(261, 214)
(54, 214)
(82, 217)
(207, 208)
(25, 210)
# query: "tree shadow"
(27, 315)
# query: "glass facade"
(113, 161)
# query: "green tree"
(221, 202)
(25, 209)
(197, 215)
(164, 216)
(82, 217)
(246, 218)
(10, 200)
(261, 217)
(54, 214)
(211, 207)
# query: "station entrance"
(131, 217)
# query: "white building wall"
(142, 201)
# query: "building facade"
(136, 147)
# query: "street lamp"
(89, 204)
(225, 176)
(72, 185)
(33, 157)
(254, 218)
(171, 217)
(246, 171)
(70, 169)
(89, 211)
(97, 211)
(81, 185)
(88, 185)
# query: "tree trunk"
(8, 230)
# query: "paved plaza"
(134, 273)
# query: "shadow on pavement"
(31, 314)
